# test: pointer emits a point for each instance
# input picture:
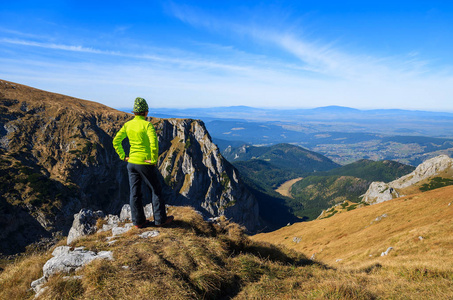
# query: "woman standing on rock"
(141, 165)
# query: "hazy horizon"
(125, 108)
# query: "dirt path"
(286, 186)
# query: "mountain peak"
(335, 109)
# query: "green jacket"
(143, 141)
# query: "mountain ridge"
(440, 167)
(282, 155)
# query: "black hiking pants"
(149, 175)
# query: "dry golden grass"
(356, 236)
(16, 278)
(353, 242)
(284, 188)
(197, 260)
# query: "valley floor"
(285, 188)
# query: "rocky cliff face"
(56, 157)
(438, 166)
(198, 175)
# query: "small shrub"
(188, 143)
(352, 207)
(435, 183)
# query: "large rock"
(65, 261)
(379, 191)
(84, 224)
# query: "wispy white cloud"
(55, 46)
(322, 58)
(194, 62)
(19, 33)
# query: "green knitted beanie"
(140, 105)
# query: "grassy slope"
(356, 238)
(197, 260)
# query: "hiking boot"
(167, 222)
(144, 224)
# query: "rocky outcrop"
(191, 164)
(380, 191)
(56, 157)
(84, 224)
(65, 261)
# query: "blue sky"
(282, 54)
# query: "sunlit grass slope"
(198, 260)
(419, 227)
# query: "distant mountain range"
(282, 155)
(342, 134)
(299, 114)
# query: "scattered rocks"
(297, 240)
(120, 230)
(37, 285)
(149, 209)
(79, 277)
(379, 218)
(421, 238)
(149, 234)
(213, 220)
(387, 251)
(84, 224)
(125, 214)
(112, 221)
(40, 292)
(338, 260)
(313, 256)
